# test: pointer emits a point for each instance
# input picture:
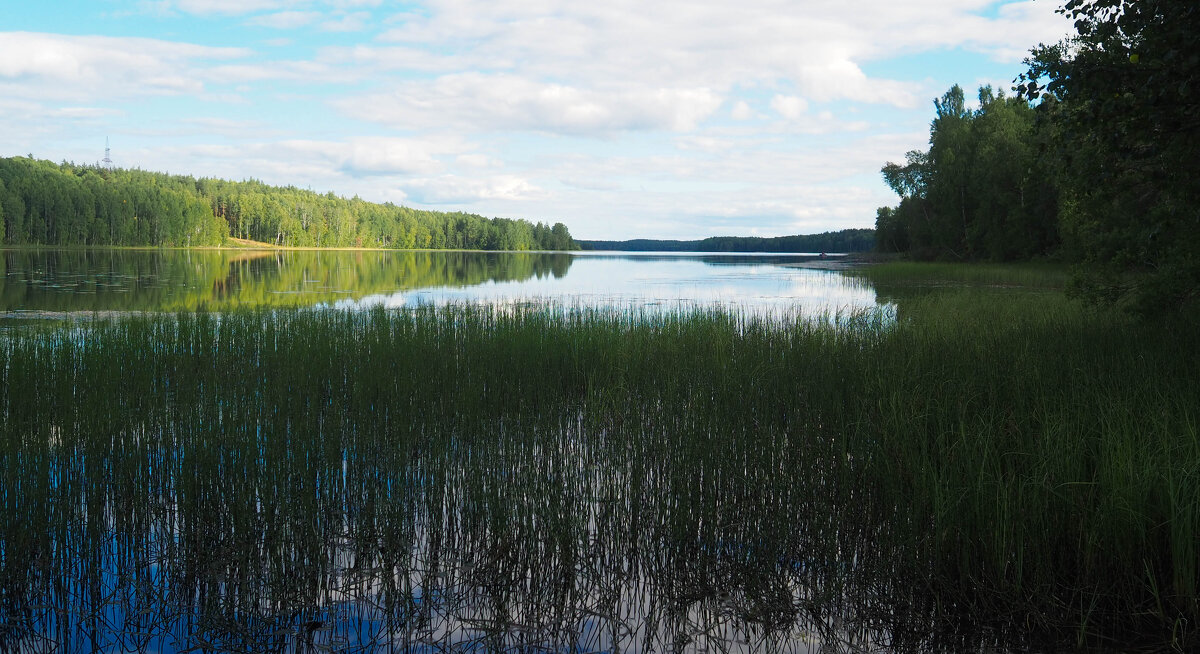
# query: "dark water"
(128, 280)
(513, 543)
(168, 511)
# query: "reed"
(1005, 275)
(1013, 471)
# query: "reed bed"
(945, 274)
(983, 472)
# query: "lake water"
(36, 282)
(380, 483)
(371, 481)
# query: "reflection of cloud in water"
(664, 284)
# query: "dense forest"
(981, 191)
(847, 240)
(1093, 161)
(43, 203)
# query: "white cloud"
(705, 115)
(704, 143)
(244, 7)
(64, 67)
(589, 183)
(818, 47)
(369, 156)
(391, 156)
(353, 22)
(387, 60)
(451, 189)
(789, 106)
(301, 71)
(84, 112)
(504, 64)
(286, 20)
(364, 157)
(226, 7)
(374, 168)
(476, 160)
(506, 102)
(240, 129)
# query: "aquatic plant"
(1013, 471)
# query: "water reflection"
(508, 539)
(445, 481)
(167, 280)
(156, 280)
(758, 285)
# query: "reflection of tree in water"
(168, 280)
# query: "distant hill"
(847, 240)
(44, 203)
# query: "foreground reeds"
(1011, 472)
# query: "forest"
(1092, 161)
(43, 203)
(846, 240)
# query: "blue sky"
(622, 119)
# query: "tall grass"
(1016, 471)
(1007, 275)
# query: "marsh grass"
(1003, 275)
(1013, 472)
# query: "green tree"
(981, 191)
(560, 238)
(64, 204)
(1123, 97)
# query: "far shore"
(243, 245)
(836, 261)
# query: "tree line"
(846, 240)
(43, 203)
(981, 191)
(1093, 160)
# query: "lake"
(454, 463)
(35, 282)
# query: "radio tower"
(107, 160)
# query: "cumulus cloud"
(359, 157)
(741, 111)
(452, 189)
(58, 66)
(789, 106)
(754, 114)
(476, 160)
(817, 46)
(577, 68)
(360, 164)
(495, 102)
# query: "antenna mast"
(107, 152)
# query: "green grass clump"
(987, 469)
(1006, 275)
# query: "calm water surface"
(319, 499)
(112, 280)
